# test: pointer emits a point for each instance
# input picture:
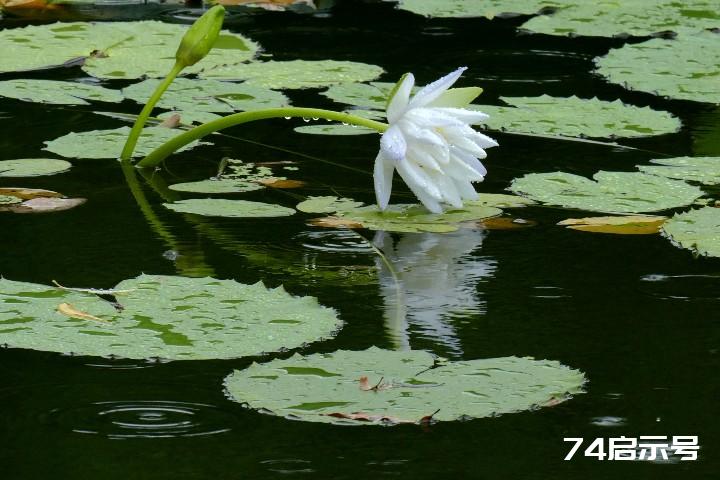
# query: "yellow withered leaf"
(623, 225)
(72, 312)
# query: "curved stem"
(166, 149)
(132, 139)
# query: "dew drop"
(306, 120)
(287, 118)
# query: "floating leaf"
(201, 100)
(475, 8)
(608, 18)
(327, 204)
(170, 317)
(218, 207)
(626, 225)
(697, 230)
(506, 223)
(611, 192)
(284, 183)
(57, 92)
(501, 200)
(113, 49)
(44, 205)
(334, 129)
(578, 117)
(296, 73)
(240, 177)
(109, 143)
(692, 75)
(32, 167)
(371, 95)
(705, 170)
(405, 387)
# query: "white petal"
(469, 160)
(382, 176)
(449, 191)
(432, 91)
(466, 190)
(422, 157)
(464, 141)
(417, 179)
(430, 203)
(462, 171)
(392, 144)
(432, 117)
(471, 117)
(399, 102)
(483, 141)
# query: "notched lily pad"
(32, 167)
(57, 93)
(236, 177)
(625, 225)
(697, 230)
(705, 170)
(218, 207)
(610, 192)
(391, 387)
(295, 74)
(577, 117)
(175, 318)
(109, 143)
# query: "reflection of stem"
(190, 263)
(132, 139)
(172, 145)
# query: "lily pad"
(705, 170)
(611, 192)
(114, 49)
(295, 74)
(697, 230)
(371, 95)
(608, 18)
(692, 74)
(109, 143)
(57, 92)
(341, 128)
(390, 387)
(397, 218)
(200, 100)
(218, 207)
(32, 167)
(175, 318)
(625, 225)
(475, 8)
(578, 117)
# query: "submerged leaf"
(626, 225)
(411, 387)
(32, 167)
(160, 316)
(611, 192)
(697, 230)
(218, 207)
(57, 93)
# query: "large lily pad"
(697, 230)
(32, 167)
(705, 170)
(611, 192)
(475, 8)
(397, 218)
(371, 95)
(115, 49)
(578, 117)
(685, 68)
(219, 207)
(607, 18)
(239, 177)
(56, 92)
(109, 143)
(296, 73)
(379, 386)
(209, 97)
(160, 316)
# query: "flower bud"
(200, 37)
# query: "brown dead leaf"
(334, 222)
(28, 193)
(280, 182)
(365, 385)
(173, 121)
(43, 205)
(622, 225)
(506, 223)
(29, 4)
(267, 4)
(70, 311)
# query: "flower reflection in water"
(432, 284)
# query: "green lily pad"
(57, 92)
(501, 200)
(371, 95)
(475, 8)
(607, 18)
(334, 129)
(219, 207)
(578, 117)
(692, 74)
(239, 177)
(32, 167)
(390, 387)
(160, 316)
(611, 192)
(397, 218)
(109, 143)
(193, 98)
(295, 74)
(705, 170)
(697, 230)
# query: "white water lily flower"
(431, 144)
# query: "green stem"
(166, 149)
(132, 139)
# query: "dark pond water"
(635, 313)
